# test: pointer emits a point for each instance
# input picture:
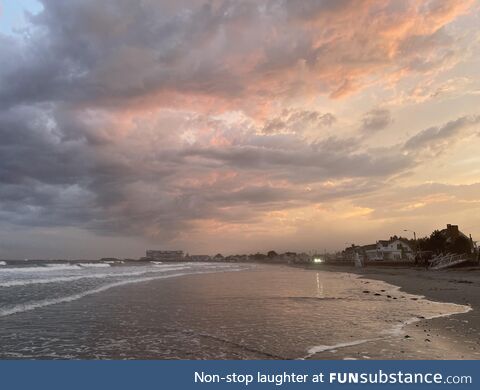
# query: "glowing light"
(318, 260)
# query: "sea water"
(197, 311)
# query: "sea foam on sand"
(426, 310)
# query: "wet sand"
(247, 312)
(450, 337)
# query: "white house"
(393, 249)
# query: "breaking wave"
(47, 302)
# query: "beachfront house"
(372, 252)
(393, 249)
(453, 236)
(200, 258)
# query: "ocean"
(107, 310)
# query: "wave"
(41, 268)
(2, 263)
(61, 279)
(48, 302)
(322, 348)
(164, 266)
(94, 265)
(61, 266)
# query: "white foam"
(166, 266)
(3, 263)
(60, 279)
(48, 302)
(322, 348)
(46, 268)
(61, 266)
(398, 329)
(94, 265)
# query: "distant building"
(164, 255)
(393, 249)
(199, 258)
(233, 258)
(349, 253)
(303, 258)
(373, 252)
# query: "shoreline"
(396, 329)
(458, 335)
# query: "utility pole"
(414, 240)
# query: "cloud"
(149, 52)
(376, 120)
(297, 121)
(435, 139)
(65, 168)
(152, 118)
(419, 202)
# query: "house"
(372, 252)
(393, 249)
(303, 258)
(452, 232)
(452, 235)
(201, 258)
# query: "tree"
(259, 256)
(460, 245)
(272, 254)
(437, 242)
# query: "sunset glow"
(235, 126)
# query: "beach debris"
(461, 281)
(448, 260)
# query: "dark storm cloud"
(32, 147)
(74, 152)
(317, 159)
(111, 52)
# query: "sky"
(235, 127)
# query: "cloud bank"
(168, 120)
